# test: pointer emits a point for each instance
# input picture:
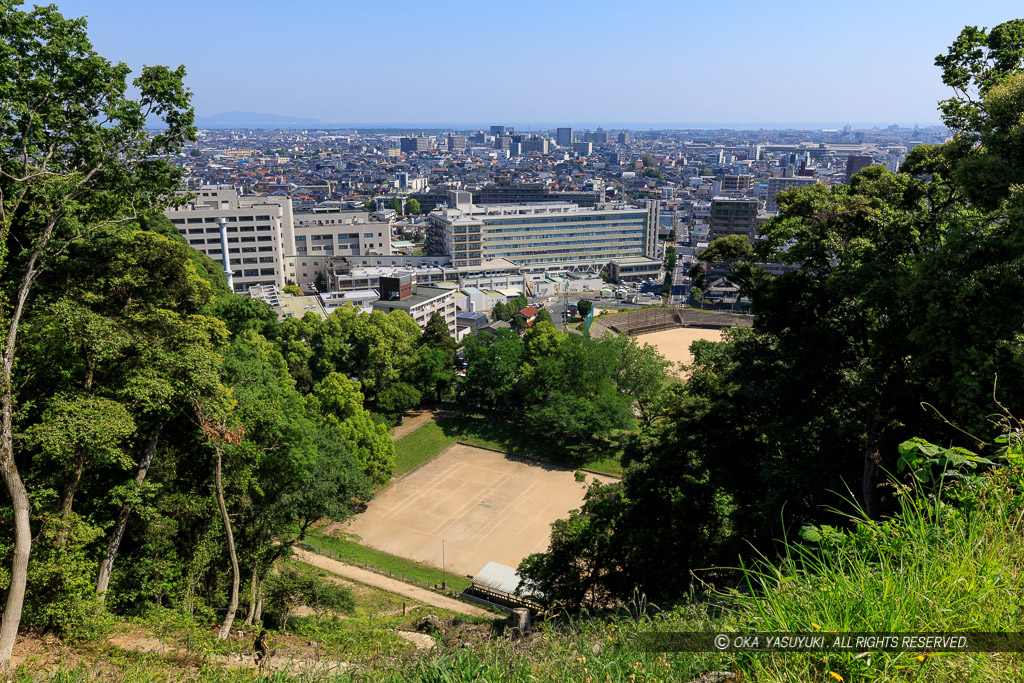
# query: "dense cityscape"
(408, 191)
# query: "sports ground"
(674, 344)
(483, 505)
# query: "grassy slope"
(931, 568)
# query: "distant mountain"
(250, 119)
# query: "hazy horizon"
(600, 63)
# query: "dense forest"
(165, 442)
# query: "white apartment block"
(257, 230)
(424, 303)
(547, 236)
(268, 243)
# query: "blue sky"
(554, 62)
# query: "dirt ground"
(481, 504)
(674, 344)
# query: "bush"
(291, 588)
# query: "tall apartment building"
(534, 145)
(259, 231)
(734, 216)
(777, 185)
(623, 138)
(544, 235)
(855, 163)
(500, 130)
(737, 183)
(415, 144)
(583, 149)
(456, 143)
(268, 244)
(563, 137)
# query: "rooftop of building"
(634, 260)
(298, 306)
(424, 294)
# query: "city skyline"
(447, 64)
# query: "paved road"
(391, 585)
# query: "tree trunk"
(225, 628)
(252, 598)
(107, 564)
(872, 465)
(67, 500)
(22, 545)
(258, 617)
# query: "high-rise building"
(258, 230)
(855, 163)
(563, 137)
(268, 244)
(500, 130)
(737, 183)
(583, 149)
(543, 235)
(623, 138)
(456, 143)
(600, 136)
(534, 145)
(415, 144)
(734, 216)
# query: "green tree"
(412, 207)
(654, 173)
(583, 307)
(370, 205)
(398, 398)
(76, 158)
(292, 289)
(492, 368)
(395, 204)
(648, 161)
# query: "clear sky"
(550, 62)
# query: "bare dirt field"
(484, 505)
(674, 344)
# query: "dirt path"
(414, 421)
(391, 585)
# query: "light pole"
(444, 583)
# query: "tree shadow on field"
(491, 431)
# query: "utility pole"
(565, 306)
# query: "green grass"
(347, 549)
(419, 446)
